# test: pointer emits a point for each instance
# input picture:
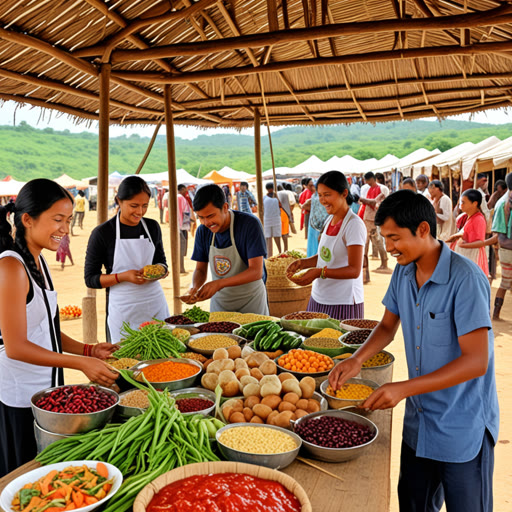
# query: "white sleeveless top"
(19, 381)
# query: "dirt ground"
(70, 286)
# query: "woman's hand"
(99, 372)
(132, 276)
(308, 277)
(294, 267)
(103, 350)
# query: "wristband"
(117, 278)
(322, 273)
(87, 350)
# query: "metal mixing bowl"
(273, 461)
(346, 403)
(125, 410)
(45, 438)
(173, 384)
(336, 454)
(65, 423)
(205, 394)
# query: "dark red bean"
(193, 404)
(225, 327)
(76, 400)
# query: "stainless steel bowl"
(353, 345)
(64, 423)
(336, 454)
(125, 410)
(173, 384)
(273, 461)
(348, 327)
(45, 438)
(380, 374)
(346, 403)
(205, 394)
(216, 322)
(239, 340)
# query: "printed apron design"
(222, 265)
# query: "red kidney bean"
(225, 327)
(76, 400)
(193, 404)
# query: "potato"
(270, 388)
(237, 417)
(272, 401)
(300, 412)
(293, 398)
(251, 390)
(283, 419)
(285, 376)
(230, 388)
(268, 368)
(313, 405)
(234, 352)
(256, 359)
(302, 404)
(286, 406)
(271, 418)
(270, 378)
(207, 363)
(256, 419)
(251, 401)
(262, 411)
(210, 381)
(248, 413)
(241, 372)
(214, 367)
(227, 364)
(307, 385)
(256, 373)
(240, 363)
(292, 386)
(226, 376)
(247, 379)
(227, 410)
(220, 353)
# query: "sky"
(10, 115)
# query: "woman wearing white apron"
(336, 270)
(124, 245)
(232, 246)
(31, 343)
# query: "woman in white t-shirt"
(336, 270)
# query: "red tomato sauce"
(224, 492)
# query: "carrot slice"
(102, 470)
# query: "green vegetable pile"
(269, 336)
(197, 315)
(152, 341)
(143, 448)
(296, 254)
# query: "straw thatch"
(308, 61)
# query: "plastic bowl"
(273, 460)
(65, 423)
(208, 352)
(337, 454)
(13, 487)
(172, 385)
(346, 403)
(196, 393)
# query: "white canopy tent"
(233, 175)
(68, 182)
(10, 188)
(182, 176)
(499, 155)
(280, 171)
(389, 159)
(313, 166)
(407, 161)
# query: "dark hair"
(422, 177)
(181, 186)
(379, 176)
(438, 184)
(481, 175)
(269, 186)
(369, 175)
(81, 193)
(500, 183)
(244, 184)
(408, 210)
(208, 194)
(288, 186)
(336, 180)
(409, 181)
(130, 187)
(508, 180)
(34, 198)
(474, 196)
(304, 181)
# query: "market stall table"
(365, 483)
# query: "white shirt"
(445, 219)
(291, 198)
(426, 193)
(364, 190)
(384, 189)
(271, 212)
(483, 206)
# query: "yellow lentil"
(239, 318)
(124, 363)
(137, 398)
(379, 359)
(328, 333)
(181, 334)
(322, 343)
(262, 440)
(212, 342)
(195, 356)
(351, 391)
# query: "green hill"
(28, 152)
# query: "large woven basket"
(204, 468)
(276, 272)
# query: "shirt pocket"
(439, 328)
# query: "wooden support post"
(257, 157)
(150, 147)
(89, 317)
(451, 184)
(173, 201)
(491, 190)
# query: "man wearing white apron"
(232, 246)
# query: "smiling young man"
(231, 244)
(451, 416)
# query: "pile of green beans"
(197, 315)
(150, 342)
(143, 448)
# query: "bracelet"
(322, 273)
(117, 278)
(87, 350)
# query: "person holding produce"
(471, 225)
(451, 414)
(31, 343)
(232, 245)
(336, 270)
(124, 245)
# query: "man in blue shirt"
(451, 416)
(232, 246)
(244, 199)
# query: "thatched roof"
(310, 61)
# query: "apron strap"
(118, 228)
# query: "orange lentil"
(305, 361)
(169, 371)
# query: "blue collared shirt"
(446, 425)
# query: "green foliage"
(28, 152)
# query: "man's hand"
(386, 397)
(190, 297)
(343, 371)
(208, 290)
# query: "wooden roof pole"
(257, 158)
(150, 147)
(173, 202)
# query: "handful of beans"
(218, 327)
(76, 400)
(179, 320)
(193, 404)
(357, 337)
(333, 432)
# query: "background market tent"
(182, 176)
(68, 182)
(498, 156)
(407, 161)
(312, 166)
(233, 175)
(389, 159)
(10, 187)
(281, 172)
(218, 178)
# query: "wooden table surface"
(366, 484)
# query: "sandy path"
(71, 288)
